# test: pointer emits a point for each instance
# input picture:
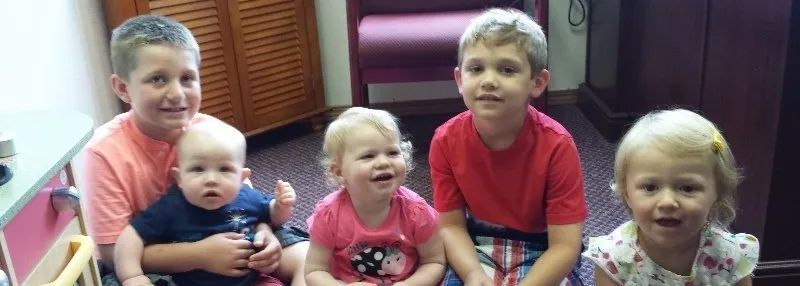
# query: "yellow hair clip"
(716, 143)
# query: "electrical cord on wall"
(582, 10)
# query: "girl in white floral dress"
(677, 177)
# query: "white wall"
(567, 46)
(567, 58)
(332, 30)
(55, 56)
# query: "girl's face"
(372, 166)
(670, 197)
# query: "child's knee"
(293, 260)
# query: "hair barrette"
(716, 143)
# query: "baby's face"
(372, 165)
(164, 89)
(209, 174)
(670, 197)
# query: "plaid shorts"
(506, 255)
(289, 235)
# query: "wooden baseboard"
(308, 115)
(412, 107)
(562, 97)
(781, 272)
(612, 125)
(448, 105)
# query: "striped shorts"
(506, 255)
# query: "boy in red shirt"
(506, 178)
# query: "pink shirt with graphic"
(380, 255)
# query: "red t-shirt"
(535, 182)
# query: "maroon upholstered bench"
(409, 40)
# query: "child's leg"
(490, 267)
(293, 256)
(293, 261)
(519, 256)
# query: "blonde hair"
(147, 30)
(359, 117)
(505, 26)
(680, 132)
(213, 133)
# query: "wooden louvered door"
(209, 22)
(275, 60)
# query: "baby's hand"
(284, 193)
(267, 259)
(140, 280)
(284, 202)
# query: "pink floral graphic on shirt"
(722, 258)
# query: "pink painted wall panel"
(34, 229)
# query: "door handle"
(64, 199)
(82, 248)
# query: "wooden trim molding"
(448, 105)
(781, 272)
(411, 107)
(562, 97)
(610, 124)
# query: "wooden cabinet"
(642, 55)
(737, 63)
(260, 58)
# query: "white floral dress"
(722, 259)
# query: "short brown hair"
(506, 26)
(146, 30)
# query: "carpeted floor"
(293, 154)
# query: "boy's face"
(163, 90)
(209, 173)
(496, 82)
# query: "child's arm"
(431, 263)
(281, 208)
(460, 250)
(128, 258)
(223, 253)
(601, 278)
(317, 270)
(559, 259)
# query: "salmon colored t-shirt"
(125, 171)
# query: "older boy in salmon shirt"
(156, 63)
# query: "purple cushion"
(369, 7)
(411, 40)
